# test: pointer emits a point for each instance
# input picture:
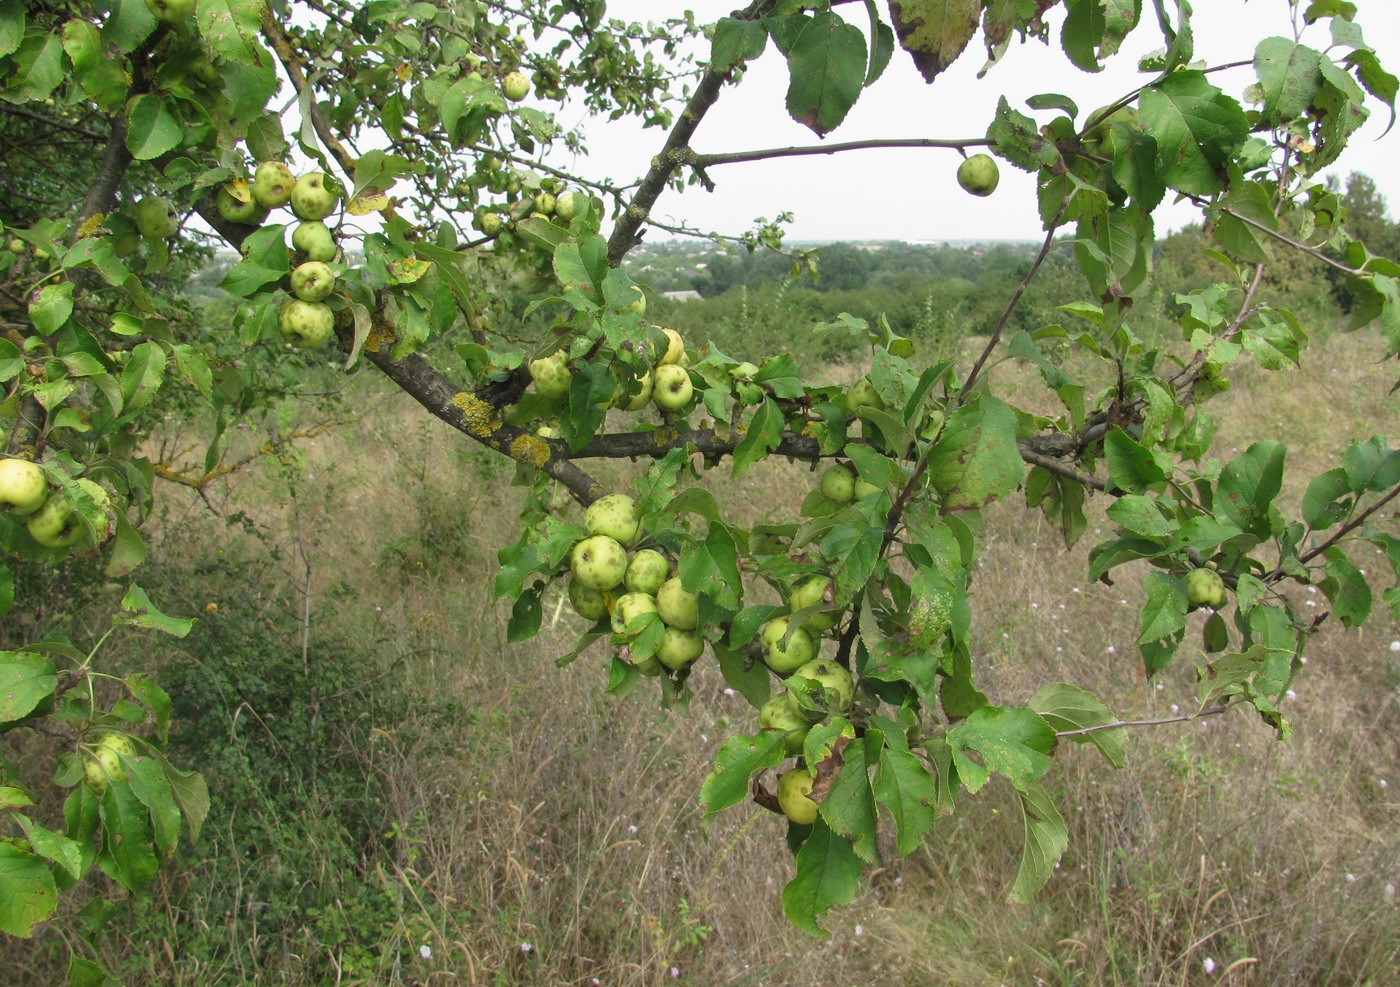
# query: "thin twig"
(1121, 724)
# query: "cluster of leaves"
(193, 104)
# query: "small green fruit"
(979, 175)
(794, 787)
(1205, 588)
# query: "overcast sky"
(913, 194)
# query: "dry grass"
(558, 840)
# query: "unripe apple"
(599, 562)
(671, 387)
(171, 11)
(235, 210)
(781, 712)
(838, 484)
(545, 203)
(313, 281)
(306, 324)
(642, 398)
(629, 607)
(587, 603)
(490, 223)
(1205, 588)
(794, 787)
(862, 394)
(105, 764)
(566, 205)
(272, 184)
(809, 592)
(979, 174)
(679, 648)
(786, 659)
(23, 487)
(57, 525)
(864, 488)
(126, 243)
(515, 86)
(647, 572)
(15, 246)
(835, 680)
(675, 347)
(551, 376)
(313, 238)
(679, 607)
(638, 303)
(311, 199)
(156, 219)
(615, 516)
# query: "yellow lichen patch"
(381, 336)
(530, 450)
(479, 417)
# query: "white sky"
(912, 194)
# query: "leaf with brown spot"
(934, 32)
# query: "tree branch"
(702, 161)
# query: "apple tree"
(146, 135)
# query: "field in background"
(401, 797)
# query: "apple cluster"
(634, 591)
(50, 519)
(667, 385)
(304, 320)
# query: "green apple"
(627, 609)
(171, 11)
(786, 659)
(862, 394)
(15, 246)
(311, 199)
(566, 205)
(1205, 588)
(638, 301)
(642, 398)
(515, 86)
(838, 484)
(93, 537)
(835, 680)
(671, 387)
(126, 243)
(306, 324)
(490, 223)
(599, 562)
(273, 184)
(545, 203)
(58, 525)
(679, 648)
(781, 712)
(794, 787)
(810, 592)
(551, 376)
(233, 209)
(313, 281)
(23, 487)
(647, 572)
(104, 764)
(588, 603)
(864, 488)
(679, 607)
(314, 239)
(675, 347)
(156, 219)
(979, 174)
(615, 516)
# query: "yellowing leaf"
(363, 205)
(934, 32)
(409, 270)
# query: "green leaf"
(1067, 707)
(1131, 465)
(51, 307)
(152, 129)
(230, 29)
(1047, 836)
(1141, 516)
(849, 805)
(1346, 588)
(1290, 76)
(148, 782)
(1164, 611)
(27, 892)
(735, 763)
(52, 846)
(749, 679)
(86, 973)
(765, 431)
(128, 854)
(1372, 465)
(1248, 485)
(1197, 127)
(827, 873)
(26, 680)
(1017, 138)
(827, 66)
(904, 786)
(934, 32)
(736, 41)
(143, 613)
(37, 69)
(1010, 741)
(525, 614)
(1327, 499)
(11, 25)
(103, 78)
(976, 460)
(712, 567)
